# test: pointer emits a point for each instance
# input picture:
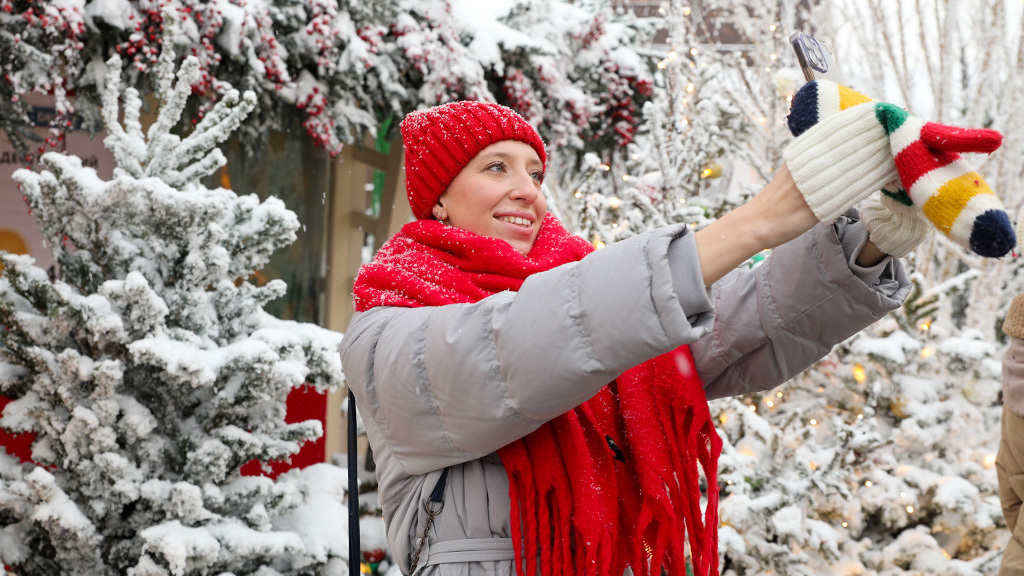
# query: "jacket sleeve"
(448, 384)
(775, 320)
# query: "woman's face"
(498, 195)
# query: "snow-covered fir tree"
(878, 460)
(149, 371)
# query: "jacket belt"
(470, 550)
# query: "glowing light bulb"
(860, 416)
(578, 194)
(693, 51)
(770, 403)
(859, 373)
(869, 483)
(773, 56)
(690, 87)
(903, 494)
(925, 325)
(723, 417)
(927, 352)
(910, 509)
(672, 55)
(814, 422)
(752, 408)
(779, 394)
(772, 27)
(990, 461)
(614, 203)
(845, 524)
(686, 10)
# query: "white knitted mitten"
(841, 160)
(894, 228)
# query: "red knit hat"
(440, 141)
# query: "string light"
(910, 509)
(903, 494)
(925, 325)
(773, 56)
(662, 64)
(578, 194)
(752, 408)
(682, 200)
(860, 416)
(772, 27)
(636, 156)
(770, 403)
(723, 417)
(927, 352)
(614, 203)
(990, 461)
(605, 167)
(814, 422)
(686, 10)
(779, 394)
(762, 120)
(868, 483)
(845, 524)
(684, 122)
(693, 51)
(859, 373)
(625, 177)
(690, 87)
(672, 55)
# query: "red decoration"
(304, 403)
(17, 445)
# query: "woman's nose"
(524, 187)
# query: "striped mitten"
(932, 176)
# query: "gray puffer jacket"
(445, 387)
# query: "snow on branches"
(344, 68)
(148, 370)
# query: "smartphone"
(816, 60)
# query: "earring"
(439, 212)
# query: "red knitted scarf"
(614, 482)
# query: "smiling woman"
(535, 404)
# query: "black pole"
(353, 490)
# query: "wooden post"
(348, 222)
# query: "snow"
(183, 547)
(115, 13)
(893, 347)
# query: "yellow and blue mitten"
(839, 158)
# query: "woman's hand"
(775, 216)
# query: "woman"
(554, 397)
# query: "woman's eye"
(496, 167)
(537, 176)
